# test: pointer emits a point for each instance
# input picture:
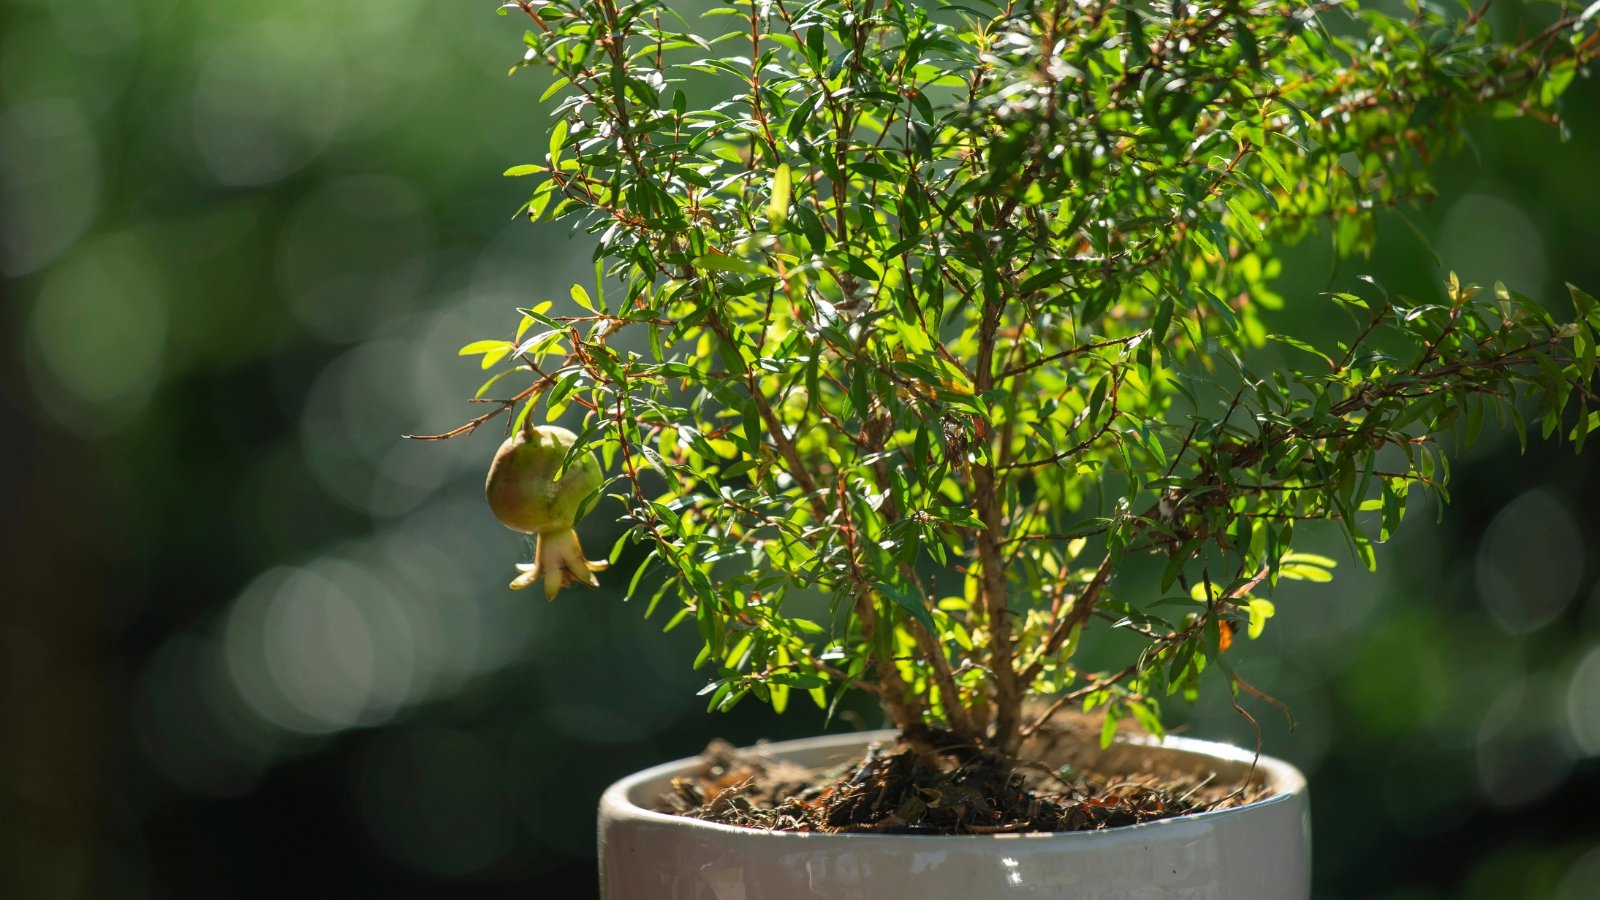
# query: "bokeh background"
(253, 644)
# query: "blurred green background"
(255, 645)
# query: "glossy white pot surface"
(1257, 852)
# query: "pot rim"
(1287, 781)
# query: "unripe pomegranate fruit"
(526, 494)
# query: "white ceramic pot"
(1257, 852)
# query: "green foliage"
(935, 319)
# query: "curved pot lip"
(616, 805)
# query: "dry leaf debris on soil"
(904, 790)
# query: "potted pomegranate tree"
(927, 341)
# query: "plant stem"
(1005, 733)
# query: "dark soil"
(906, 790)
